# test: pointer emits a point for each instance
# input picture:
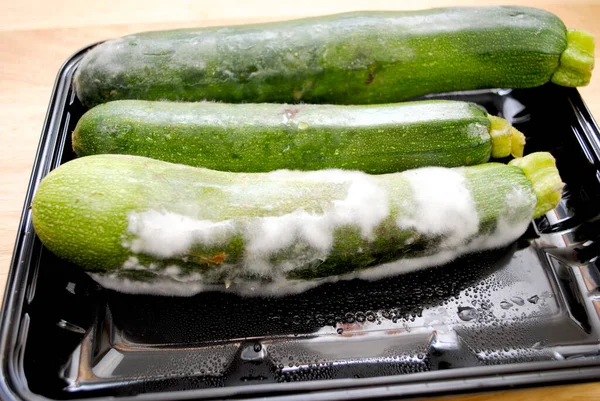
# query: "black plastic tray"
(524, 315)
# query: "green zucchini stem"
(577, 61)
(540, 168)
(506, 139)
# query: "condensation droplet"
(467, 313)
(534, 299)
(518, 300)
(505, 305)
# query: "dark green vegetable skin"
(354, 58)
(266, 137)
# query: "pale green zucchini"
(143, 225)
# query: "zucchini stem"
(577, 61)
(506, 139)
(540, 169)
(517, 142)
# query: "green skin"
(266, 137)
(353, 58)
(80, 212)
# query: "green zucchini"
(353, 58)
(142, 225)
(267, 136)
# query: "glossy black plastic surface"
(524, 315)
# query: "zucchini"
(352, 58)
(266, 137)
(142, 225)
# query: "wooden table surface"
(37, 36)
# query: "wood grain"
(36, 37)
(573, 392)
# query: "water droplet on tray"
(534, 299)
(518, 300)
(467, 313)
(505, 305)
